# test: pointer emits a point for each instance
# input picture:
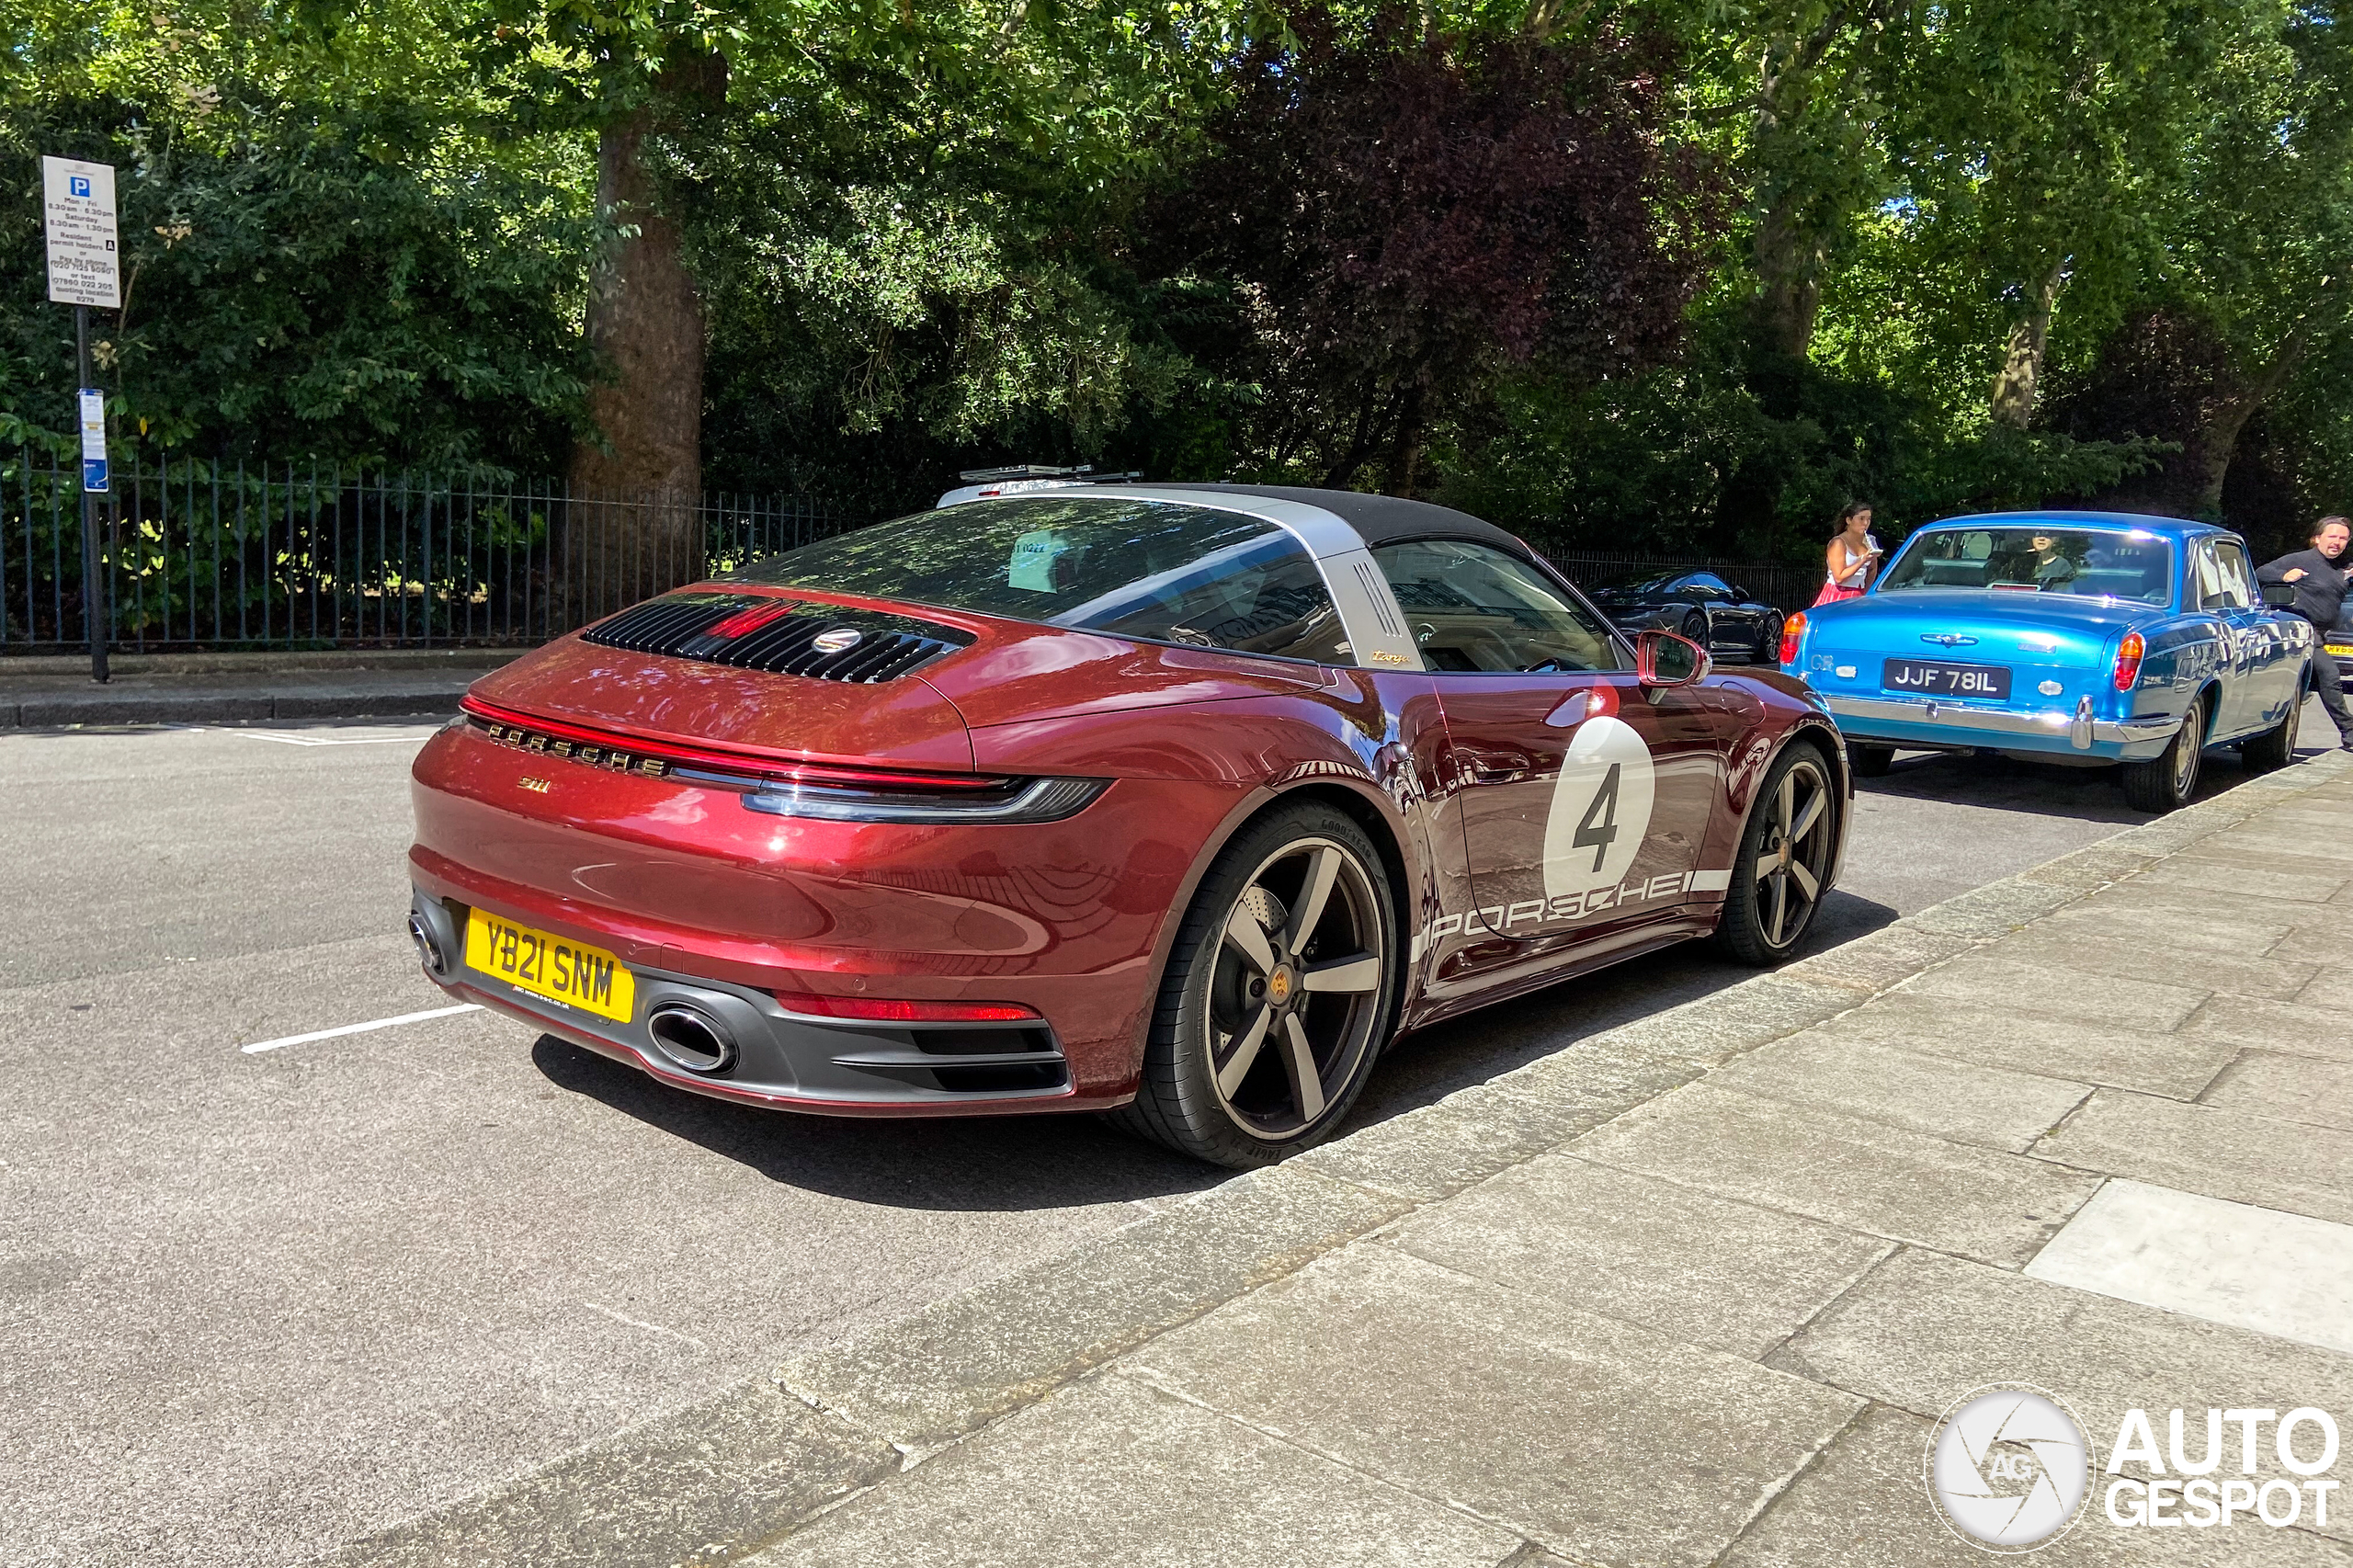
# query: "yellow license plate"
(2338, 650)
(579, 976)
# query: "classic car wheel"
(1871, 762)
(1783, 868)
(2166, 781)
(2275, 747)
(1278, 995)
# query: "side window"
(1472, 609)
(2221, 578)
(2238, 578)
(1706, 588)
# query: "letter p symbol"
(78, 184)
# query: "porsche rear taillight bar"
(829, 792)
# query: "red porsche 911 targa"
(1177, 801)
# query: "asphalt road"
(254, 1304)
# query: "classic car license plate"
(579, 976)
(1932, 679)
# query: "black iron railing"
(198, 554)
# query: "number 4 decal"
(1599, 827)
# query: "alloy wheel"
(1793, 860)
(1295, 991)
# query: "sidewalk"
(49, 691)
(1689, 1293)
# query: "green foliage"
(932, 233)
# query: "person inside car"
(2320, 579)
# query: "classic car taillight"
(2128, 660)
(1792, 634)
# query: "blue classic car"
(2063, 636)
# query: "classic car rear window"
(2114, 563)
(1156, 570)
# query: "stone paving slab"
(2053, 990)
(2290, 1088)
(2279, 1274)
(1727, 1276)
(1841, 1169)
(1118, 1472)
(1673, 1448)
(1922, 1329)
(1924, 1024)
(2223, 1154)
(2226, 970)
(1969, 1103)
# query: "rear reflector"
(875, 1010)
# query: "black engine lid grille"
(792, 637)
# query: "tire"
(1870, 761)
(1768, 640)
(1695, 629)
(1782, 871)
(2275, 747)
(2166, 781)
(1223, 1077)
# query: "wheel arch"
(1752, 762)
(1366, 806)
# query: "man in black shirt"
(2320, 578)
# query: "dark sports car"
(1175, 801)
(1722, 616)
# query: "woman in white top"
(1852, 554)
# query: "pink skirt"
(1833, 593)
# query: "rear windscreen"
(2118, 563)
(1156, 570)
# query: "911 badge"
(1601, 809)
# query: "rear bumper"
(782, 1059)
(1927, 721)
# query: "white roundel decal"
(1601, 808)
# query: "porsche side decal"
(1503, 920)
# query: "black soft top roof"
(1382, 519)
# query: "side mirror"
(1661, 658)
(2279, 596)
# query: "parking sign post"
(78, 219)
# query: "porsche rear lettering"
(611, 759)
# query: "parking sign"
(77, 213)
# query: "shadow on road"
(959, 1164)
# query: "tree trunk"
(2019, 382)
(2210, 453)
(1788, 266)
(636, 476)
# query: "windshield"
(1155, 570)
(2116, 563)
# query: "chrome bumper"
(2081, 730)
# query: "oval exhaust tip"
(691, 1038)
(428, 951)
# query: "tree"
(1399, 213)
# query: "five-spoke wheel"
(1279, 995)
(1785, 859)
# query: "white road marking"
(649, 1327)
(361, 1029)
(285, 738)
